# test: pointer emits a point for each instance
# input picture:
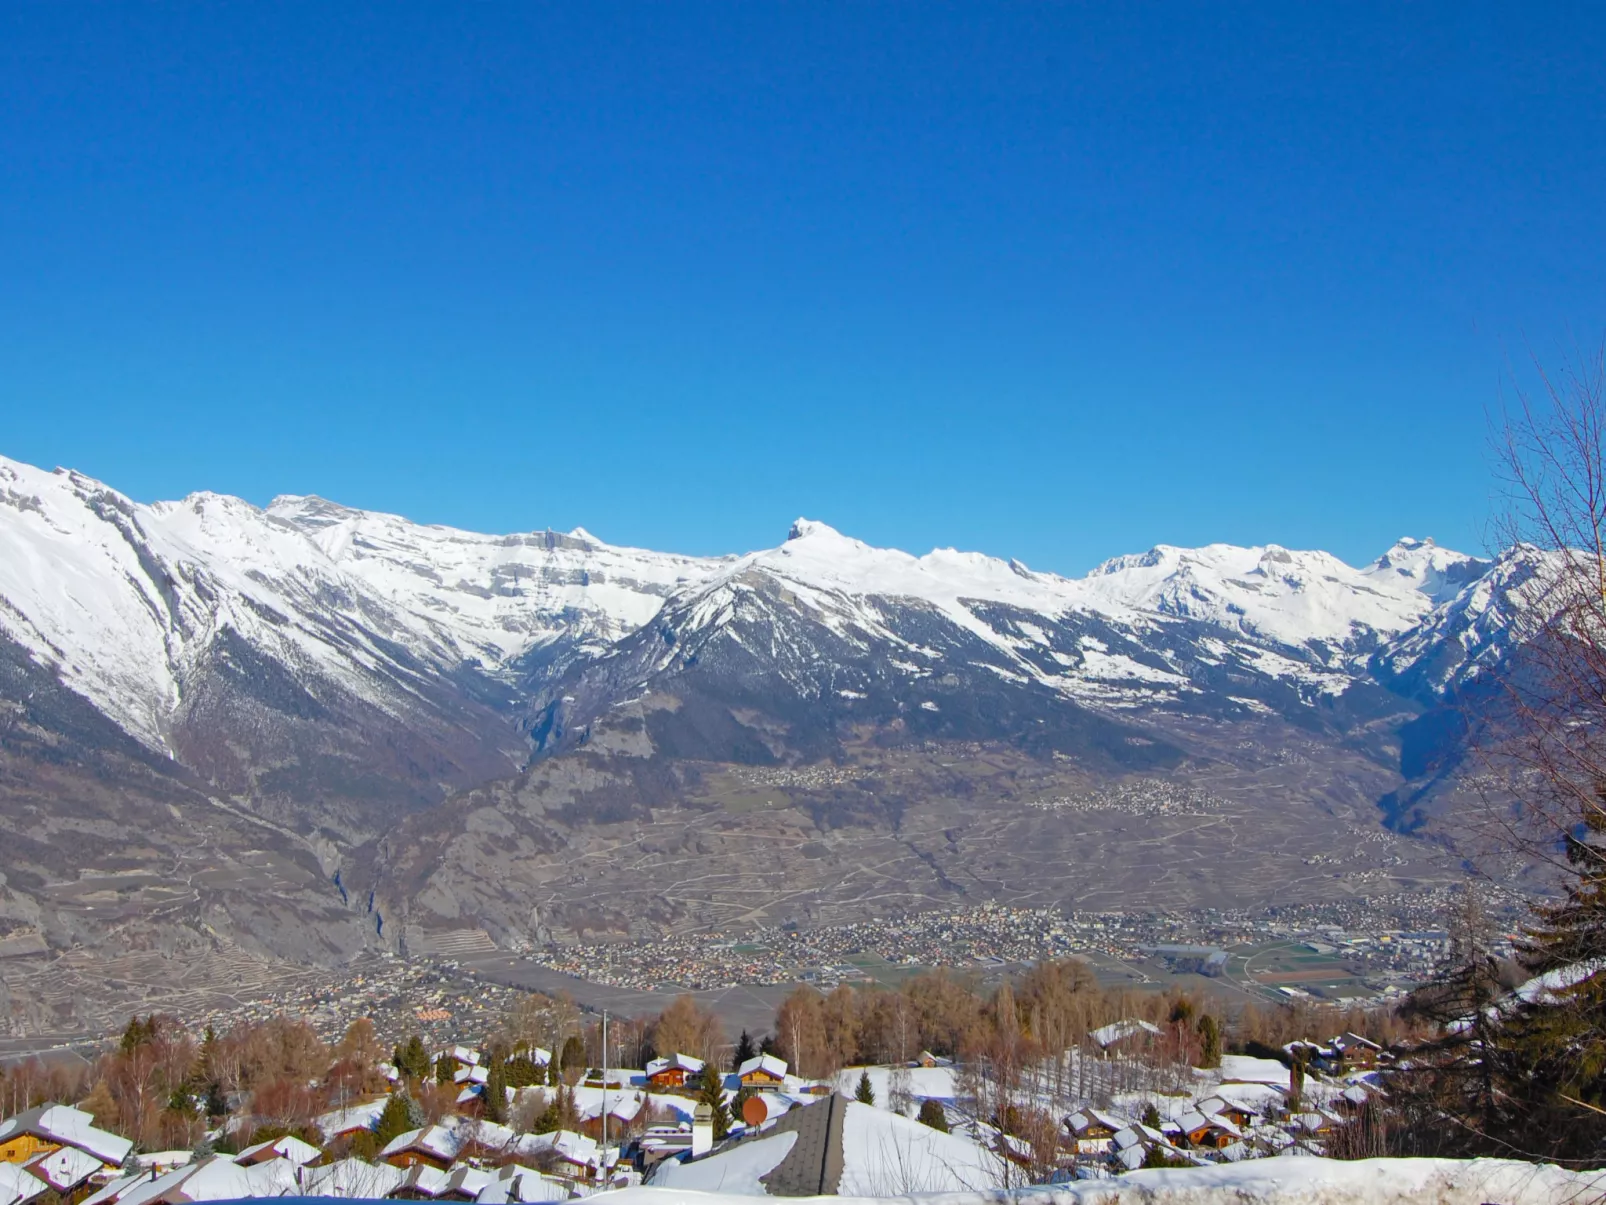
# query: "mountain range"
(306, 729)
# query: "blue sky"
(1051, 281)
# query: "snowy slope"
(1292, 1181)
(494, 597)
(1139, 631)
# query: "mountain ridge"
(384, 695)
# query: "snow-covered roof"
(574, 1148)
(356, 1117)
(351, 1178)
(424, 1180)
(767, 1063)
(289, 1147)
(1242, 1068)
(66, 1168)
(437, 1141)
(18, 1185)
(1085, 1119)
(1137, 1135)
(682, 1062)
(217, 1178)
(68, 1126)
(1193, 1120)
(1106, 1036)
(515, 1185)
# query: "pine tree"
(496, 1092)
(933, 1114)
(712, 1094)
(445, 1070)
(394, 1121)
(522, 1071)
(574, 1054)
(738, 1105)
(412, 1059)
(865, 1094)
(744, 1050)
(1209, 1042)
(1151, 1116)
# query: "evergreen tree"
(738, 1105)
(1209, 1042)
(574, 1054)
(496, 1092)
(712, 1094)
(522, 1071)
(551, 1117)
(394, 1121)
(865, 1094)
(744, 1050)
(138, 1033)
(445, 1070)
(412, 1059)
(933, 1114)
(1151, 1116)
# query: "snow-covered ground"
(1296, 1181)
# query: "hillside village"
(1049, 1079)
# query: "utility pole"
(605, 1093)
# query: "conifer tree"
(496, 1092)
(712, 1094)
(933, 1114)
(394, 1120)
(744, 1050)
(1209, 1042)
(865, 1094)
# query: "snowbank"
(1309, 1181)
(736, 1172)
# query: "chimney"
(702, 1131)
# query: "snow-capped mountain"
(139, 607)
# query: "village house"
(1356, 1053)
(1237, 1112)
(1130, 1034)
(49, 1128)
(434, 1146)
(67, 1172)
(347, 1123)
(420, 1182)
(1204, 1131)
(673, 1071)
(762, 1073)
(1093, 1130)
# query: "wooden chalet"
(51, 1128)
(762, 1073)
(1093, 1130)
(431, 1146)
(673, 1071)
(1356, 1053)
(1204, 1131)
